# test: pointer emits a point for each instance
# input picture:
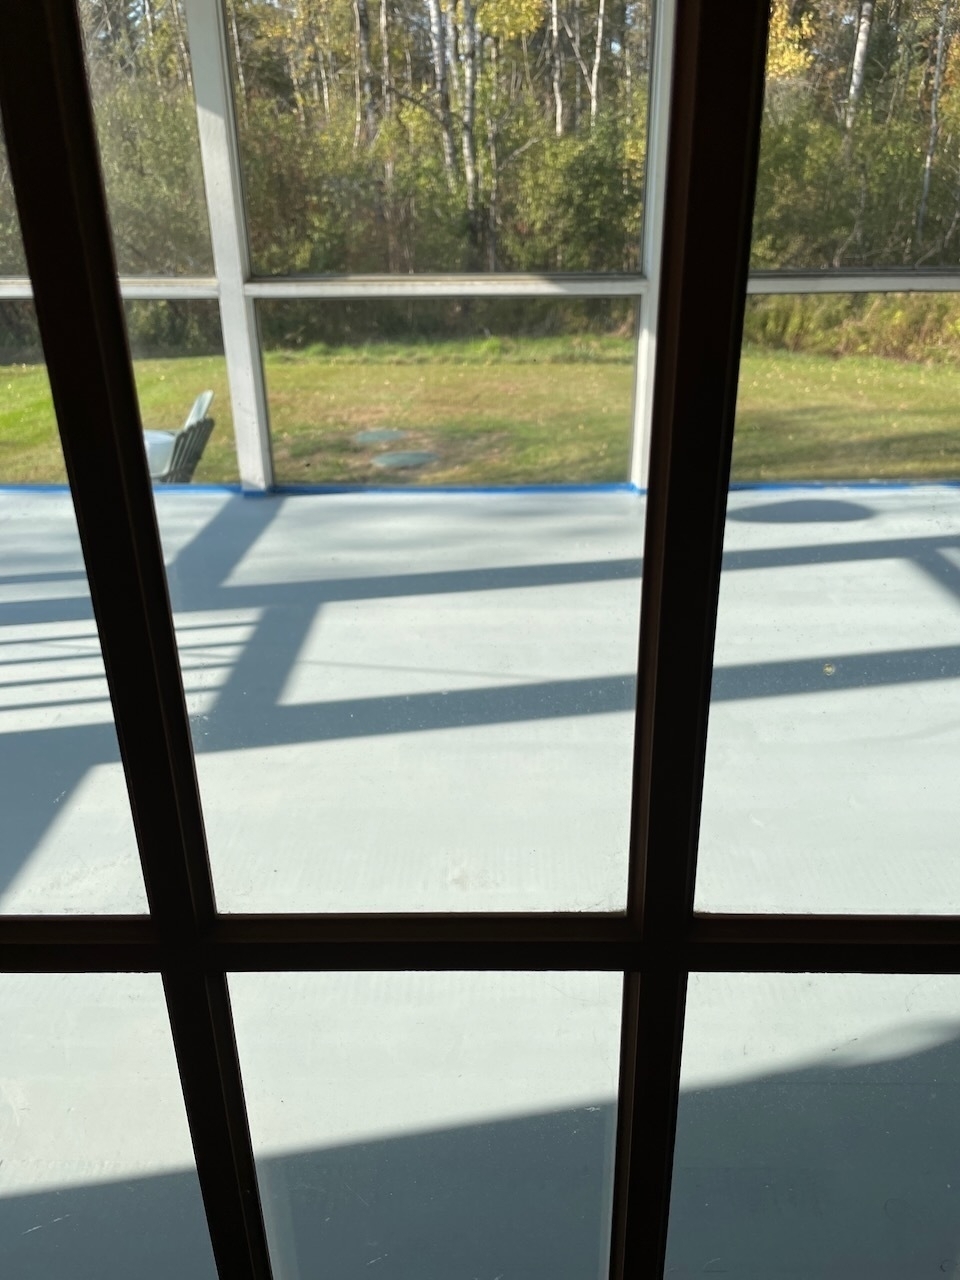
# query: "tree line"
(485, 135)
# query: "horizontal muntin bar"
(708, 929)
(823, 944)
(495, 285)
(289, 943)
(132, 287)
(302, 942)
(906, 281)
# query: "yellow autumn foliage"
(509, 19)
(787, 55)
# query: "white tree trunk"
(241, 81)
(555, 66)
(595, 73)
(438, 50)
(324, 86)
(184, 74)
(493, 201)
(386, 86)
(859, 62)
(468, 59)
(365, 68)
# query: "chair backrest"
(188, 447)
(200, 407)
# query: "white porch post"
(661, 75)
(220, 157)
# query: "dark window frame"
(712, 156)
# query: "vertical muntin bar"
(52, 150)
(716, 103)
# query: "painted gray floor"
(422, 702)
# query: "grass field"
(499, 411)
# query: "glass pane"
(816, 1130)
(408, 702)
(30, 450)
(12, 261)
(451, 393)
(834, 721)
(97, 1180)
(426, 136)
(857, 387)
(433, 1124)
(177, 356)
(140, 77)
(68, 843)
(858, 147)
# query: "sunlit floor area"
(398, 703)
(423, 702)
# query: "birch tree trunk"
(151, 40)
(575, 41)
(493, 203)
(595, 73)
(934, 120)
(358, 105)
(628, 72)
(365, 69)
(556, 68)
(859, 63)
(184, 74)
(468, 59)
(241, 80)
(453, 66)
(389, 165)
(297, 86)
(324, 86)
(438, 51)
(386, 84)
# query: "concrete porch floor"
(422, 702)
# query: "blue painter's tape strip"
(198, 488)
(291, 490)
(871, 486)
(421, 490)
(178, 488)
(34, 488)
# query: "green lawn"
(803, 417)
(500, 411)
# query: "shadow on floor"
(210, 573)
(825, 1173)
(802, 511)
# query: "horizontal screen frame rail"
(506, 285)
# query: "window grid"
(711, 163)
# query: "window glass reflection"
(441, 1123)
(815, 1129)
(141, 83)
(836, 699)
(97, 1177)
